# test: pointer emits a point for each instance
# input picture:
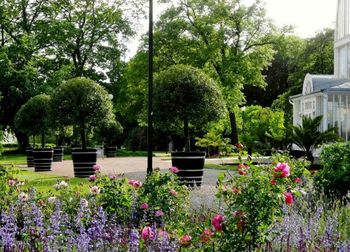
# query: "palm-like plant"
(308, 136)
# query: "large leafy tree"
(230, 39)
(21, 24)
(316, 57)
(89, 34)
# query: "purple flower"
(159, 213)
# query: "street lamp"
(150, 90)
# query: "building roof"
(325, 82)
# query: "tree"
(229, 39)
(83, 103)
(34, 117)
(89, 34)
(316, 57)
(308, 137)
(184, 95)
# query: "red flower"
(297, 180)
(289, 198)
(242, 169)
(206, 235)
(185, 240)
(273, 182)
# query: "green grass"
(15, 159)
(43, 182)
(221, 167)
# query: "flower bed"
(271, 208)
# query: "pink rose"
(173, 192)
(144, 206)
(185, 240)
(216, 222)
(289, 198)
(159, 213)
(297, 180)
(92, 178)
(282, 170)
(242, 169)
(206, 235)
(236, 190)
(147, 233)
(97, 167)
(134, 183)
(174, 169)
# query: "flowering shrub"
(164, 196)
(252, 202)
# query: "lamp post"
(243, 110)
(150, 90)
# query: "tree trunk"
(42, 140)
(83, 138)
(187, 136)
(23, 140)
(234, 135)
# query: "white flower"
(63, 184)
(51, 200)
(60, 185)
(23, 197)
(95, 190)
(84, 203)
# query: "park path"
(133, 167)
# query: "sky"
(306, 16)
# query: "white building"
(329, 95)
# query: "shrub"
(252, 202)
(334, 178)
(162, 192)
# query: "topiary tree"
(83, 103)
(109, 133)
(34, 117)
(185, 95)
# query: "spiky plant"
(308, 137)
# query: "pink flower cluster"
(147, 233)
(282, 170)
(216, 222)
(206, 235)
(174, 169)
(134, 183)
(185, 240)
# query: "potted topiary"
(84, 104)
(184, 96)
(108, 134)
(33, 118)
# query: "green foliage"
(314, 55)
(214, 143)
(252, 203)
(115, 196)
(9, 186)
(108, 134)
(334, 178)
(185, 95)
(263, 128)
(83, 103)
(34, 117)
(308, 137)
(162, 191)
